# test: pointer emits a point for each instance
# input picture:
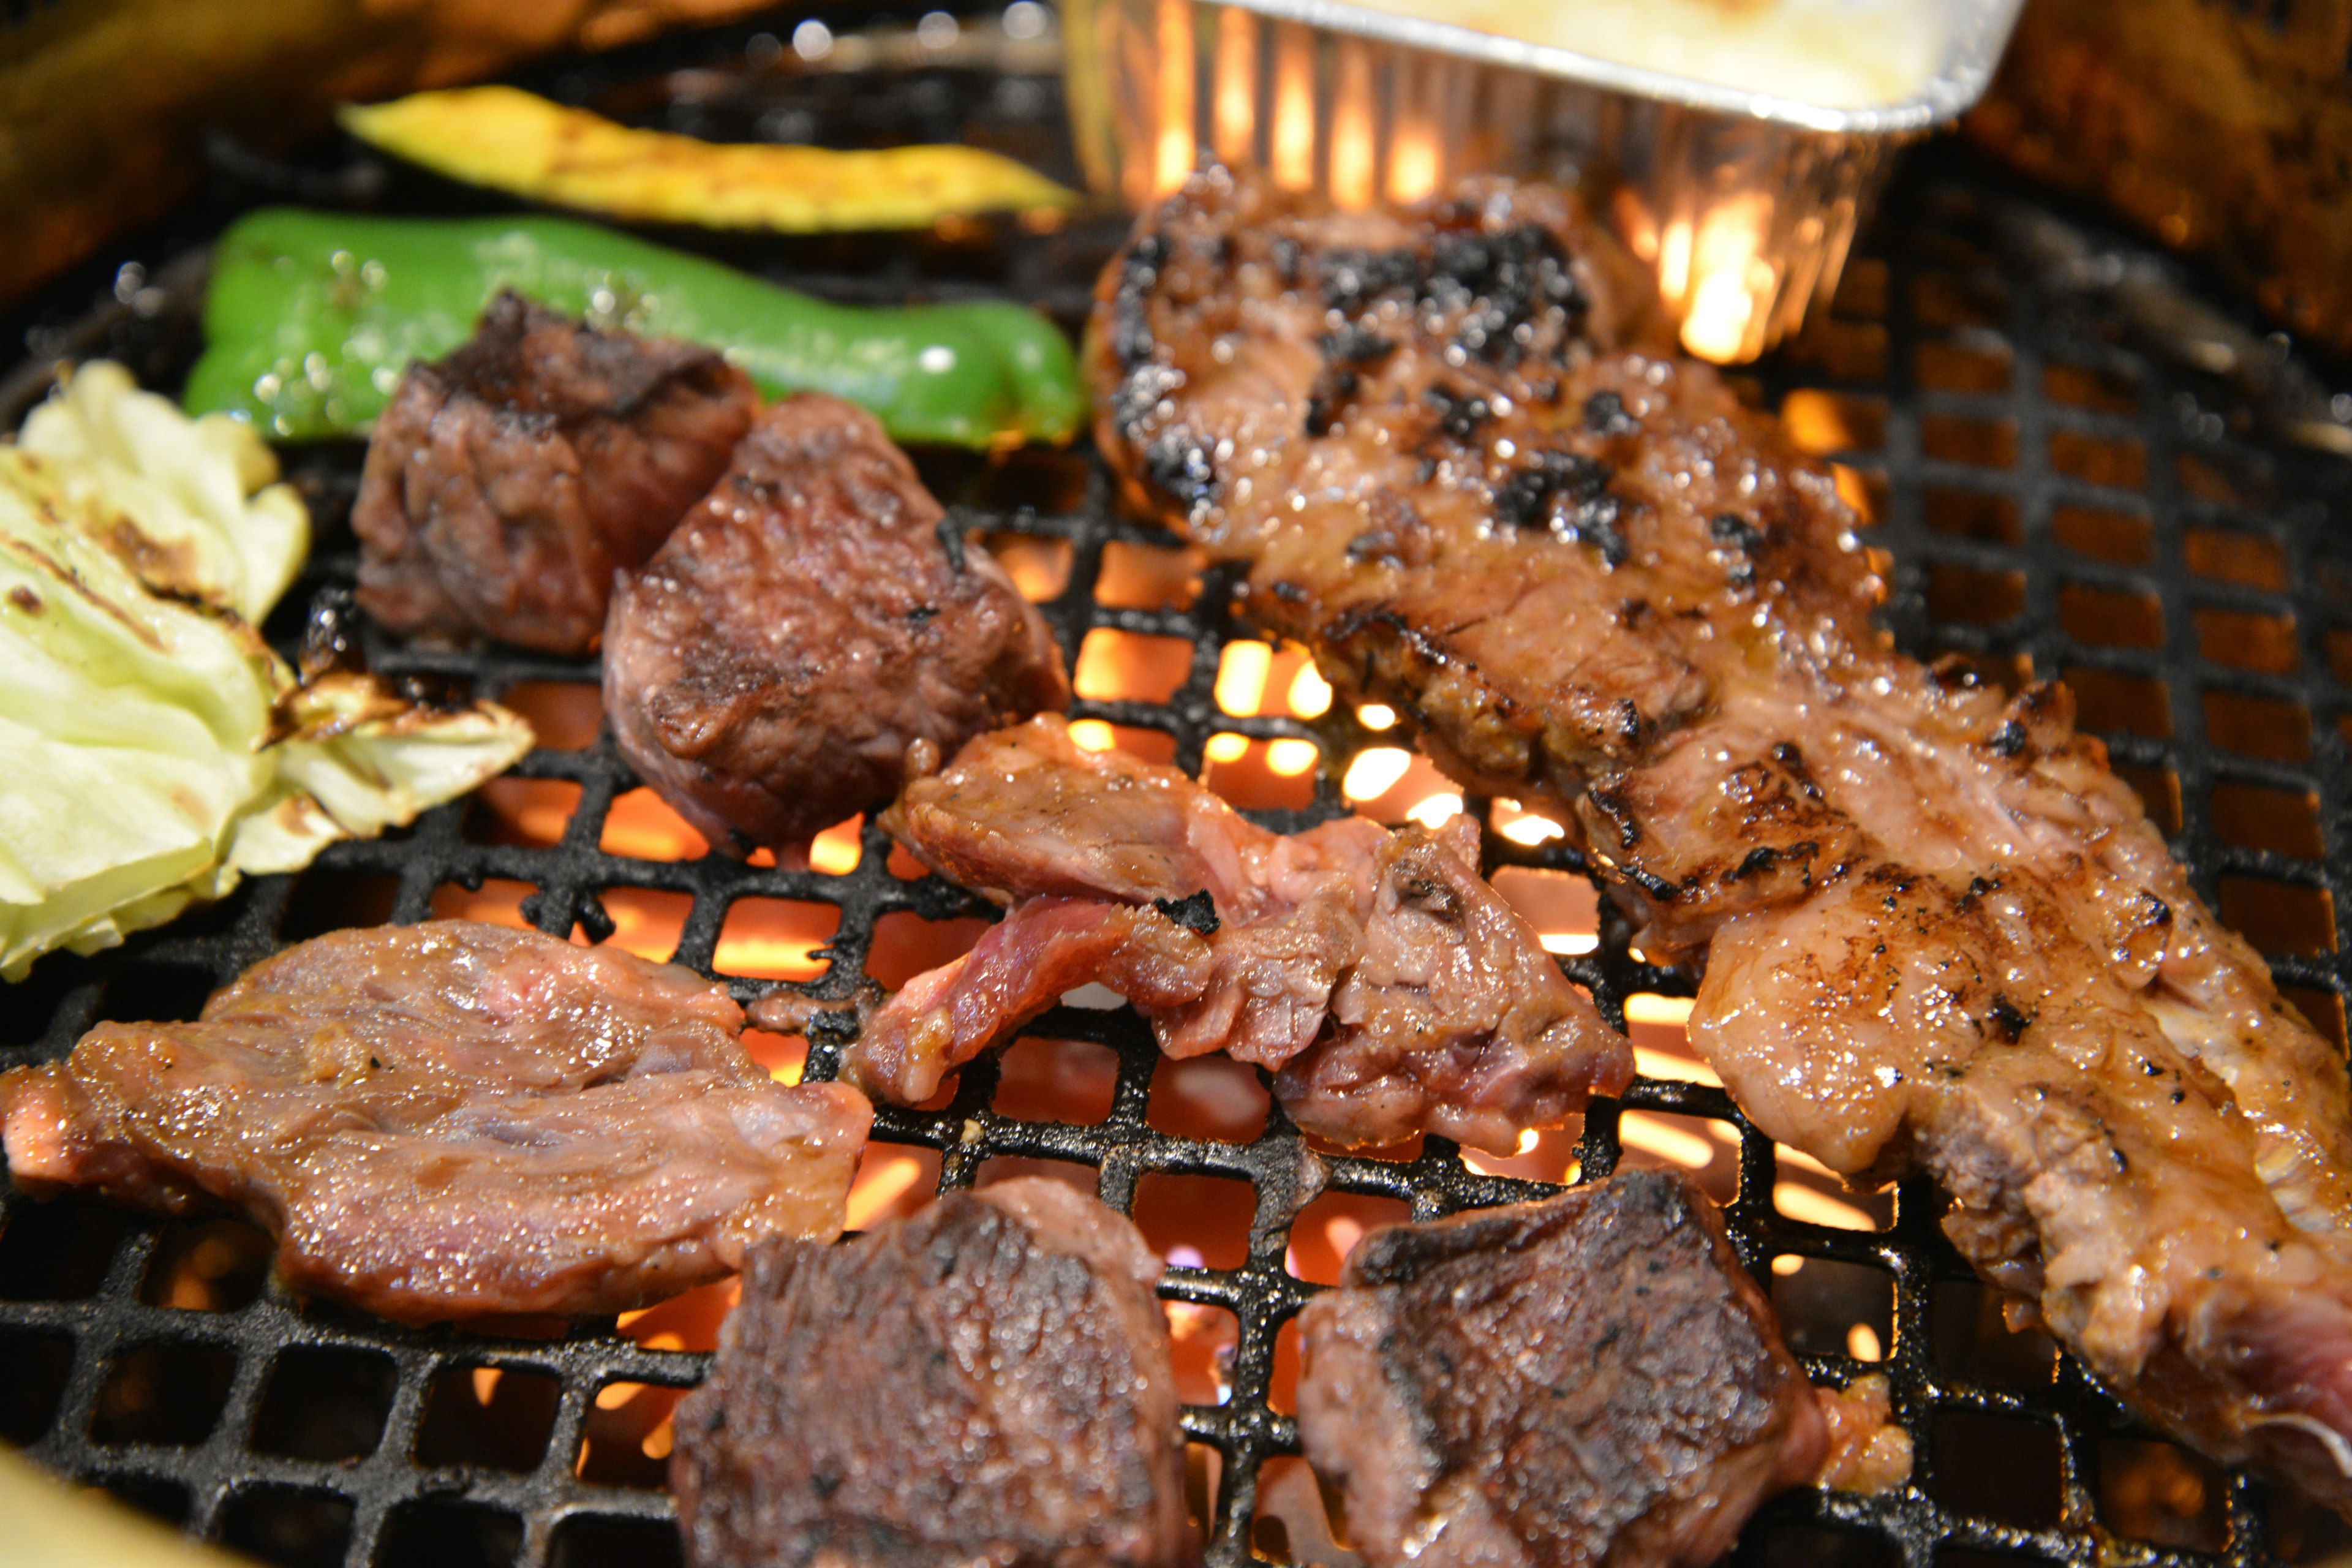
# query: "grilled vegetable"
(152, 748)
(313, 317)
(514, 141)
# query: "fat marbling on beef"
(1591, 1379)
(506, 482)
(815, 616)
(1937, 932)
(1386, 985)
(988, 1382)
(453, 1120)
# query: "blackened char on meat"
(816, 615)
(452, 1121)
(1593, 1379)
(1387, 985)
(989, 1381)
(1938, 933)
(508, 482)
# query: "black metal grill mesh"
(2056, 505)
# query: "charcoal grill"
(2056, 502)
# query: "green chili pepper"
(313, 317)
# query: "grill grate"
(2055, 503)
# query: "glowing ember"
(1862, 1343)
(1093, 735)
(1225, 746)
(1242, 672)
(1353, 186)
(1374, 772)
(1174, 152)
(1655, 1136)
(1310, 694)
(1236, 102)
(1288, 758)
(1376, 716)
(1437, 810)
(642, 827)
(835, 851)
(1294, 106)
(775, 938)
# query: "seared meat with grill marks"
(1390, 988)
(453, 1120)
(506, 482)
(815, 616)
(1937, 932)
(1590, 1379)
(987, 1382)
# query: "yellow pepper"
(518, 141)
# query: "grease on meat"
(453, 1121)
(1937, 932)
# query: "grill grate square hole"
(1699, 1146)
(490, 1415)
(640, 826)
(588, 1541)
(565, 715)
(1983, 443)
(1840, 350)
(156, 993)
(1829, 1308)
(168, 1393)
(2249, 559)
(1196, 1222)
(2203, 477)
(1327, 1229)
(2124, 538)
(325, 901)
(1997, 1466)
(2267, 727)
(1969, 1336)
(528, 813)
(208, 1266)
(1826, 424)
(1130, 666)
(325, 1404)
(1943, 300)
(2159, 793)
(625, 1441)
(893, 1181)
(646, 922)
(1862, 289)
(2163, 1494)
(2106, 389)
(2109, 617)
(1978, 362)
(906, 944)
(1262, 775)
(2253, 817)
(33, 1371)
(1211, 1097)
(2248, 640)
(1040, 568)
(1057, 1081)
(292, 1529)
(1986, 515)
(499, 901)
(775, 938)
(166, 1502)
(1203, 1339)
(1973, 595)
(58, 1251)
(1147, 577)
(2108, 700)
(440, 1534)
(2120, 465)
(1810, 1546)
(1282, 1383)
(2279, 917)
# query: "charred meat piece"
(813, 618)
(508, 482)
(1387, 986)
(453, 1120)
(1937, 932)
(987, 1382)
(1590, 1379)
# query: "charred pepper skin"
(312, 316)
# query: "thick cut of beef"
(1387, 985)
(813, 618)
(453, 1120)
(508, 482)
(1937, 934)
(1589, 1380)
(989, 1381)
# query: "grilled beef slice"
(506, 482)
(1593, 1379)
(1387, 985)
(811, 618)
(988, 1382)
(453, 1120)
(1938, 933)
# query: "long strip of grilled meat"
(1937, 932)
